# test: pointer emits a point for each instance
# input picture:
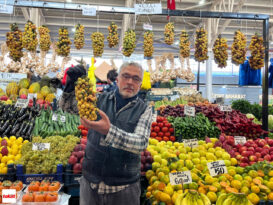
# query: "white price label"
(22, 103)
(59, 93)
(40, 146)
(225, 108)
(30, 96)
(190, 143)
(89, 10)
(55, 117)
(9, 196)
(190, 111)
(239, 140)
(62, 119)
(148, 9)
(217, 168)
(180, 178)
(174, 97)
(6, 9)
(147, 27)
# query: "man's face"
(129, 81)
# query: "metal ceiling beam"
(25, 13)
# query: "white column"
(209, 64)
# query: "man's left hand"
(102, 126)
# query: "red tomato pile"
(84, 131)
(162, 130)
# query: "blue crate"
(11, 175)
(28, 178)
(72, 189)
(70, 178)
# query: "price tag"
(180, 178)
(147, 27)
(22, 103)
(217, 168)
(190, 143)
(189, 111)
(6, 9)
(225, 108)
(220, 100)
(9, 196)
(174, 97)
(239, 140)
(59, 93)
(148, 9)
(55, 117)
(89, 10)
(30, 96)
(40, 146)
(62, 119)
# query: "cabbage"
(250, 116)
(270, 122)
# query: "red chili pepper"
(84, 132)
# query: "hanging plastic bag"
(146, 82)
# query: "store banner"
(6, 9)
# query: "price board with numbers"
(217, 168)
(40, 146)
(22, 103)
(189, 111)
(190, 143)
(225, 108)
(239, 140)
(180, 178)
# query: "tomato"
(165, 122)
(160, 134)
(171, 130)
(156, 129)
(167, 134)
(84, 132)
(154, 124)
(153, 134)
(160, 124)
(152, 129)
(159, 138)
(159, 119)
(164, 129)
(172, 138)
(80, 127)
(165, 139)
(168, 124)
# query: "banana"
(199, 201)
(221, 199)
(179, 199)
(205, 199)
(229, 200)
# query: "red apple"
(251, 163)
(267, 157)
(72, 159)
(84, 140)
(4, 142)
(80, 154)
(143, 160)
(245, 160)
(81, 160)
(147, 153)
(241, 149)
(251, 149)
(259, 149)
(77, 168)
(245, 153)
(270, 142)
(253, 158)
(23, 96)
(258, 155)
(260, 160)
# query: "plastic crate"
(28, 178)
(11, 175)
(72, 189)
(70, 178)
(265, 202)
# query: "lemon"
(270, 173)
(10, 162)
(270, 185)
(168, 190)
(11, 157)
(238, 177)
(165, 197)
(4, 170)
(212, 196)
(244, 190)
(12, 138)
(14, 151)
(25, 141)
(234, 162)
(253, 173)
(232, 172)
(253, 198)
(209, 179)
(4, 159)
(17, 157)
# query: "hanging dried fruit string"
(14, 42)
(129, 43)
(79, 36)
(97, 43)
(220, 51)
(184, 44)
(63, 44)
(256, 47)
(44, 40)
(148, 44)
(169, 33)
(238, 48)
(113, 35)
(201, 45)
(30, 40)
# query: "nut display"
(44, 40)
(148, 44)
(129, 43)
(86, 98)
(184, 44)
(79, 36)
(220, 51)
(169, 33)
(201, 45)
(256, 48)
(97, 43)
(113, 35)
(14, 42)
(63, 44)
(30, 40)
(238, 48)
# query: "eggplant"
(7, 131)
(5, 126)
(23, 117)
(23, 132)
(15, 128)
(18, 134)
(30, 128)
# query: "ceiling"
(54, 18)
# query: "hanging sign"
(217, 168)
(148, 9)
(188, 110)
(177, 178)
(40, 146)
(89, 10)
(190, 143)
(225, 108)
(22, 103)
(239, 140)
(6, 9)
(147, 27)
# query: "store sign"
(147, 27)
(189, 111)
(229, 96)
(190, 143)
(217, 168)
(239, 140)
(225, 108)
(6, 9)
(6, 78)
(40, 146)
(9, 196)
(22, 103)
(177, 178)
(148, 9)
(89, 10)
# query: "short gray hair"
(135, 64)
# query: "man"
(111, 80)
(111, 166)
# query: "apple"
(253, 158)
(72, 160)
(260, 160)
(83, 146)
(245, 153)
(4, 98)
(238, 157)
(149, 159)
(84, 140)
(147, 153)
(142, 154)
(264, 152)
(143, 160)
(245, 160)
(258, 149)
(80, 154)
(251, 149)
(258, 155)
(270, 142)
(4, 142)
(251, 163)
(267, 157)
(23, 96)
(241, 149)
(243, 164)
(77, 168)
(81, 160)
(142, 168)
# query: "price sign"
(180, 178)
(40, 146)
(9, 196)
(62, 119)
(30, 96)
(217, 168)
(6, 9)
(89, 10)
(174, 97)
(220, 100)
(190, 143)
(189, 111)
(147, 27)
(22, 103)
(148, 9)
(6, 78)
(225, 108)
(239, 140)
(55, 117)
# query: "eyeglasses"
(135, 79)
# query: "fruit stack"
(169, 33)
(77, 155)
(14, 42)
(238, 48)
(220, 52)
(97, 43)
(44, 40)
(162, 130)
(79, 37)
(129, 43)
(256, 47)
(201, 45)
(146, 161)
(30, 40)
(63, 44)
(113, 35)
(148, 44)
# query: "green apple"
(183, 156)
(157, 158)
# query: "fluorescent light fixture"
(73, 30)
(201, 2)
(176, 43)
(271, 43)
(69, 1)
(224, 86)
